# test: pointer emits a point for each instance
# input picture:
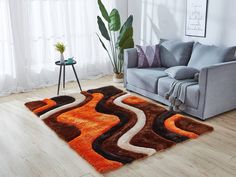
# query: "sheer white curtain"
(30, 28)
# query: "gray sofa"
(214, 94)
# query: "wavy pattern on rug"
(41, 107)
(91, 124)
(161, 130)
(65, 131)
(147, 136)
(125, 141)
(106, 144)
(103, 144)
(110, 128)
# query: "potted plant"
(119, 38)
(60, 47)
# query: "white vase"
(62, 60)
(118, 78)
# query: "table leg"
(59, 81)
(77, 78)
(64, 76)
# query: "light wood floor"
(28, 148)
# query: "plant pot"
(62, 59)
(118, 78)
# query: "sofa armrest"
(218, 88)
(130, 61)
(130, 58)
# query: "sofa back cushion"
(148, 56)
(175, 53)
(205, 55)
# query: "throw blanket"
(177, 94)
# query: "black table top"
(66, 63)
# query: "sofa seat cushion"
(206, 55)
(146, 79)
(192, 95)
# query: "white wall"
(155, 19)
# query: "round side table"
(63, 65)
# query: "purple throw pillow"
(148, 56)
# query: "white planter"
(62, 60)
(118, 78)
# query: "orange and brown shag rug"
(110, 128)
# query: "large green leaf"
(126, 34)
(114, 24)
(127, 24)
(103, 11)
(103, 28)
(129, 43)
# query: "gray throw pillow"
(148, 56)
(175, 53)
(181, 72)
(206, 55)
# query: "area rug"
(110, 128)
